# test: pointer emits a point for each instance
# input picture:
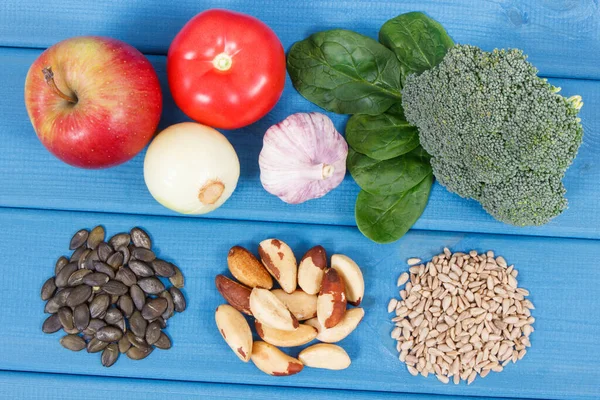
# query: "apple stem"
(49, 77)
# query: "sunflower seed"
(153, 332)
(81, 316)
(154, 308)
(142, 254)
(96, 279)
(95, 345)
(65, 315)
(60, 264)
(125, 275)
(104, 268)
(115, 260)
(72, 342)
(152, 286)
(48, 289)
(77, 254)
(163, 268)
(95, 237)
(51, 324)
(178, 299)
(137, 354)
(177, 279)
(138, 296)
(163, 342)
(79, 295)
(115, 287)
(126, 305)
(170, 305)
(78, 239)
(93, 326)
(109, 334)
(62, 278)
(104, 251)
(110, 355)
(124, 344)
(140, 268)
(140, 238)
(138, 324)
(120, 239)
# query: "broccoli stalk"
(497, 133)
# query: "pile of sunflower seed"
(109, 296)
(460, 315)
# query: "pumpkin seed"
(120, 239)
(163, 342)
(136, 354)
(52, 306)
(140, 238)
(95, 279)
(51, 324)
(99, 305)
(76, 277)
(114, 298)
(93, 326)
(126, 275)
(78, 239)
(65, 315)
(126, 305)
(62, 278)
(178, 299)
(110, 355)
(153, 332)
(163, 268)
(154, 308)
(152, 286)
(88, 262)
(170, 306)
(60, 264)
(62, 295)
(138, 324)
(79, 295)
(138, 296)
(115, 260)
(77, 254)
(104, 268)
(104, 251)
(140, 268)
(115, 287)
(72, 331)
(72, 342)
(95, 345)
(177, 279)
(124, 344)
(137, 341)
(81, 263)
(48, 289)
(95, 237)
(126, 254)
(109, 334)
(81, 316)
(113, 316)
(143, 254)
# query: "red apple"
(94, 102)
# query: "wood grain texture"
(561, 274)
(561, 36)
(39, 386)
(31, 177)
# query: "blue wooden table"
(42, 202)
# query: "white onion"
(191, 168)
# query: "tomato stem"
(49, 77)
(222, 62)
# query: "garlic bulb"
(303, 157)
(191, 168)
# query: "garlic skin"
(303, 158)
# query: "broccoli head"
(497, 132)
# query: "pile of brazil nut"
(311, 303)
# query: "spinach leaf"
(383, 136)
(390, 176)
(385, 219)
(345, 72)
(418, 41)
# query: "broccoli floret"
(497, 133)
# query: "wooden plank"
(561, 36)
(38, 386)
(32, 177)
(561, 274)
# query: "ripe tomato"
(226, 69)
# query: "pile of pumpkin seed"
(108, 296)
